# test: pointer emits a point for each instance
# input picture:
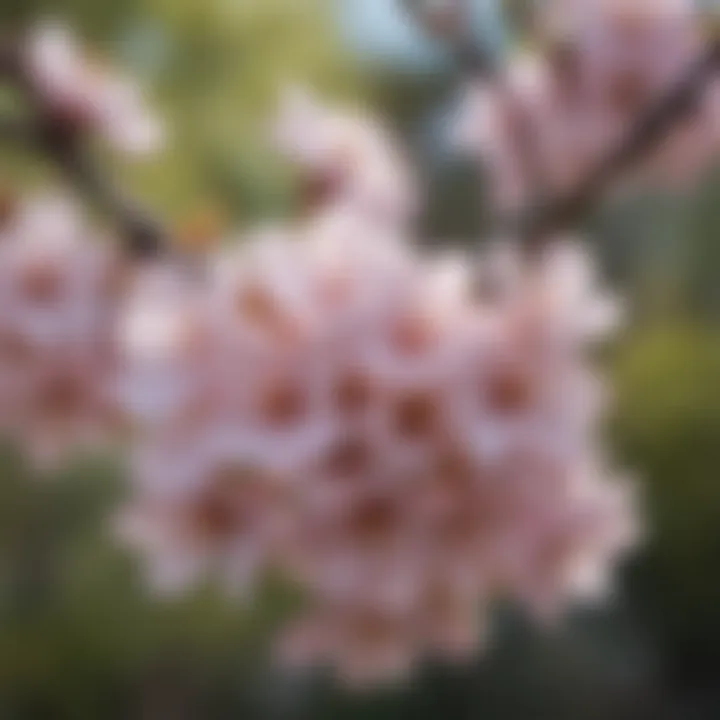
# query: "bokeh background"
(79, 637)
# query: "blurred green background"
(78, 636)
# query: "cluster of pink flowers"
(59, 289)
(553, 116)
(339, 409)
(407, 437)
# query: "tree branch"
(547, 217)
(143, 234)
(642, 137)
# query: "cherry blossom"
(79, 94)
(547, 120)
(348, 159)
(59, 284)
(408, 452)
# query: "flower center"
(412, 336)
(255, 304)
(353, 393)
(226, 506)
(42, 284)
(349, 458)
(284, 404)
(416, 415)
(510, 390)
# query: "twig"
(451, 22)
(144, 235)
(642, 137)
(545, 218)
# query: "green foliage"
(668, 390)
(78, 632)
(215, 70)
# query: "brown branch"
(545, 218)
(642, 137)
(143, 234)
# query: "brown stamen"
(284, 404)
(510, 390)
(61, 397)
(374, 518)
(353, 393)
(412, 336)
(416, 415)
(256, 305)
(225, 508)
(42, 284)
(350, 457)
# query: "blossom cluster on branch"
(408, 437)
(79, 96)
(342, 411)
(551, 117)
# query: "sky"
(379, 31)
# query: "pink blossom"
(418, 452)
(202, 505)
(59, 288)
(531, 133)
(82, 95)
(548, 121)
(349, 161)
